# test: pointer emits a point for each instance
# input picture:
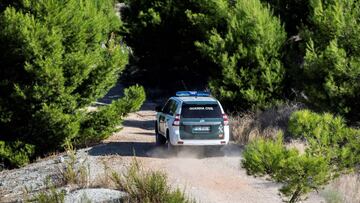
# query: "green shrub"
(16, 153)
(248, 55)
(332, 148)
(263, 156)
(99, 125)
(327, 136)
(132, 101)
(299, 174)
(147, 186)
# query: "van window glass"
(173, 107)
(167, 106)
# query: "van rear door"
(201, 121)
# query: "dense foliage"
(99, 125)
(327, 136)
(15, 153)
(332, 60)
(162, 39)
(251, 54)
(332, 149)
(56, 57)
(248, 54)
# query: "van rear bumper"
(199, 142)
(177, 141)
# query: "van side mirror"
(158, 108)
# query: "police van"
(191, 118)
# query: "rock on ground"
(95, 195)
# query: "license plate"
(201, 129)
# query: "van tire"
(171, 148)
(160, 140)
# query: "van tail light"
(177, 120)
(226, 119)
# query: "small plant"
(332, 196)
(52, 195)
(147, 186)
(72, 173)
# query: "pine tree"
(56, 57)
(248, 55)
(332, 62)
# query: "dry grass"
(72, 172)
(297, 144)
(148, 186)
(247, 126)
(104, 180)
(344, 189)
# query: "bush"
(99, 125)
(263, 156)
(302, 174)
(56, 57)
(332, 148)
(133, 99)
(16, 153)
(248, 55)
(299, 174)
(147, 186)
(327, 136)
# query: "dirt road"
(206, 177)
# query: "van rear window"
(200, 111)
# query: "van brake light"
(177, 120)
(226, 120)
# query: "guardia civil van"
(191, 118)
